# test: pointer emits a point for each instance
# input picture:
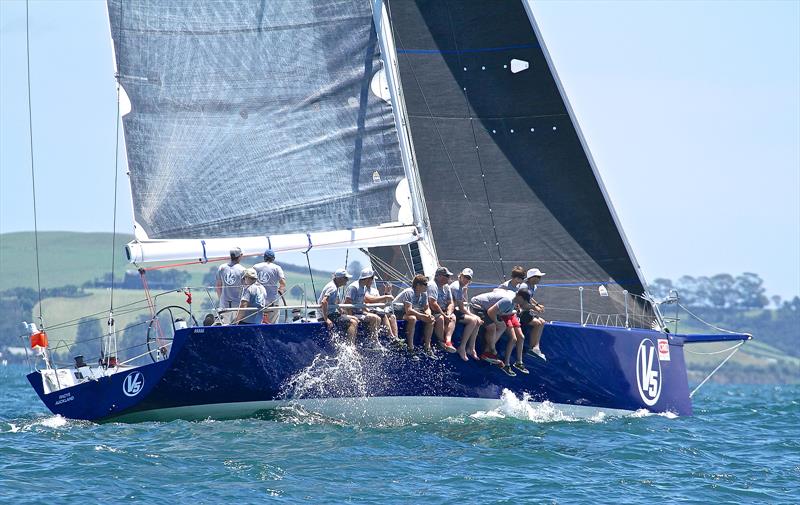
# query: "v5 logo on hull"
(648, 372)
(133, 384)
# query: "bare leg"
(537, 326)
(411, 327)
(373, 321)
(473, 338)
(352, 329)
(426, 343)
(451, 328)
(466, 335)
(499, 329)
(512, 342)
(392, 325)
(438, 328)
(520, 344)
(488, 336)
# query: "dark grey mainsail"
(506, 175)
(254, 118)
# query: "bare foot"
(462, 354)
(474, 355)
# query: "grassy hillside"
(64, 258)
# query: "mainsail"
(507, 177)
(255, 118)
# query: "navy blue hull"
(590, 366)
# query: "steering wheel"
(158, 339)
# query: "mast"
(389, 52)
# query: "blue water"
(742, 446)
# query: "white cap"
(251, 272)
(534, 272)
(367, 273)
(468, 272)
(236, 252)
(341, 274)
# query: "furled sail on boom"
(254, 118)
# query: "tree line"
(721, 291)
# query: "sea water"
(742, 446)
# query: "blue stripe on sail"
(564, 284)
(461, 51)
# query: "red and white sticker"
(663, 349)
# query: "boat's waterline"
(398, 408)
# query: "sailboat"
(424, 133)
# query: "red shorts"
(511, 320)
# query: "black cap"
(524, 294)
(443, 271)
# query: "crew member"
(270, 275)
(329, 301)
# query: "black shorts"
(399, 313)
(526, 316)
(478, 311)
(339, 320)
(459, 315)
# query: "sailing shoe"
(398, 343)
(509, 371)
(534, 351)
(519, 365)
(413, 354)
(491, 358)
(430, 353)
(447, 346)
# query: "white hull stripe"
(411, 408)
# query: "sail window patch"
(519, 66)
(124, 101)
(380, 86)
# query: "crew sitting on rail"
(253, 297)
(513, 324)
(441, 302)
(515, 282)
(412, 305)
(356, 294)
(530, 317)
(329, 301)
(386, 314)
(496, 308)
(472, 323)
(270, 275)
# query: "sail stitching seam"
(446, 151)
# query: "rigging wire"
(477, 149)
(399, 43)
(33, 172)
(114, 226)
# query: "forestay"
(255, 118)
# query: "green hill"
(64, 258)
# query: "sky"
(691, 111)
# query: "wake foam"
(52, 422)
(525, 409)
